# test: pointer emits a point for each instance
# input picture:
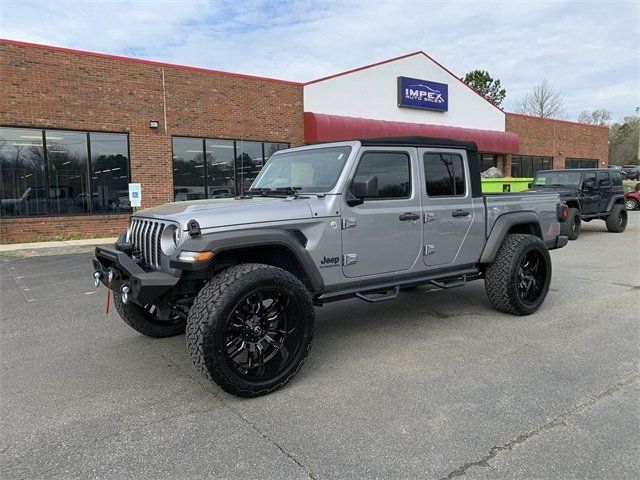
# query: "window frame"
(371, 199)
(45, 154)
(464, 173)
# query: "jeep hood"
(224, 212)
(562, 191)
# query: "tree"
(624, 139)
(485, 85)
(543, 101)
(597, 117)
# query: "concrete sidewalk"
(54, 248)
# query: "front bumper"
(143, 286)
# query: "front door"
(590, 197)
(448, 206)
(383, 234)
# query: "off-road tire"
(208, 316)
(617, 219)
(501, 276)
(146, 323)
(572, 226)
(631, 203)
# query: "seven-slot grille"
(145, 238)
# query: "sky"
(589, 51)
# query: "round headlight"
(170, 239)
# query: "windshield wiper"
(276, 192)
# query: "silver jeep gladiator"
(321, 223)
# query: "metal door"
(604, 188)
(383, 234)
(590, 198)
(447, 203)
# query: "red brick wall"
(52, 88)
(18, 230)
(558, 139)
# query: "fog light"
(194, 257)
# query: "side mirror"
(589, 185)
(363, 187)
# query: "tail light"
(563, 212)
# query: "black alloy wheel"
(531, 278)
(262, 335)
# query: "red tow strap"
(109, 291)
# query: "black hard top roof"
(577, 170)
(418, 141)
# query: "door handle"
(460, 213)
(409, 216)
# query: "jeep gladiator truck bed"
(326, 222)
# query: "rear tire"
(145, 322)
(572, 226)
(617, 219)
(518, 281)
(250, 329)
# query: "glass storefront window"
(110, 172)
(581, 163)
(249, 163)
(23, 189)
(527, 166)
(221, 181)
(67, 159)
(188, 169)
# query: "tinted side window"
(444, 174)
(616, 179)
(589, 177)
(603, 179)
(393, 172)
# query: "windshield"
(557, 179)
(310, 171)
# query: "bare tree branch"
(597, 117)
(543, 101)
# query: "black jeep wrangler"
(590, 193)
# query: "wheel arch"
(516, 222)
(616, 199)
(277, 247)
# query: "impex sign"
(415, 93)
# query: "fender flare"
(618, 198)
(577, 200)
(500, 228)
(240, 239)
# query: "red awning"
(320, 127)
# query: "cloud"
(588, 50)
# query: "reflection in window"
(249, 162)
(188, 169)
(527, 166)
(22, 184)
(444, 174)
(220, 168)
(392, 170)
(110, 172)
(67, 161)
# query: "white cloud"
(589, 50)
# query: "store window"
(581, 163)
(392, 170)
(444, 174)
(230, 168)
(23, 190)
(110, 172)
(488, 161)
(528, 166)
(61, 172)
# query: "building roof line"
(144, 62)
(556, 120)
(401, 57)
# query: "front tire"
(572, 226)
(145, 321)
(617, 219)
(250, 329)
(518, 281)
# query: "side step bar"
(374, 297)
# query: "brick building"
(77, 127)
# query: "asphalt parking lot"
(433, 385)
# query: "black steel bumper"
(144, 286)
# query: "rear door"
(383, 234)
(448, 205)
(590, 198)
(604, 190)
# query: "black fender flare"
(500, 228)
(618, 198)
(240, 239)
(577, 200)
